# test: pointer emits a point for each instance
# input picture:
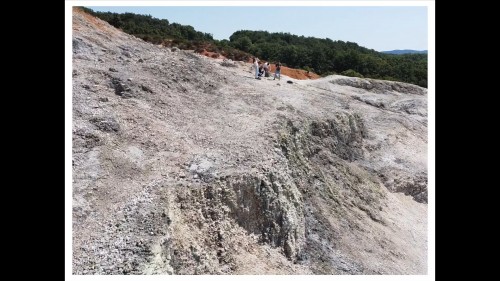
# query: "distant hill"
(326, 57)
(320, 56)
(400, 52)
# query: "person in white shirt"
(265, 67)
(256, 66)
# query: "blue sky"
(380, 28)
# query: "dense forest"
(151, 29)
(325, 56)
(322, 56)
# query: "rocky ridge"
(184, 164)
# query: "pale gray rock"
(195, 167)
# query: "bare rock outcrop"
(184, 164)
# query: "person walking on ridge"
(256, 66)
(265, 67)
(277, 72)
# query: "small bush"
(351, 73)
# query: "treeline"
(322, 56)
(161, 31)
(325, 56)
(151, 29)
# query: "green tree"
(243, 43)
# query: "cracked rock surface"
(184, 164)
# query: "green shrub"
(351, 73)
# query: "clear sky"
(380, 28)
